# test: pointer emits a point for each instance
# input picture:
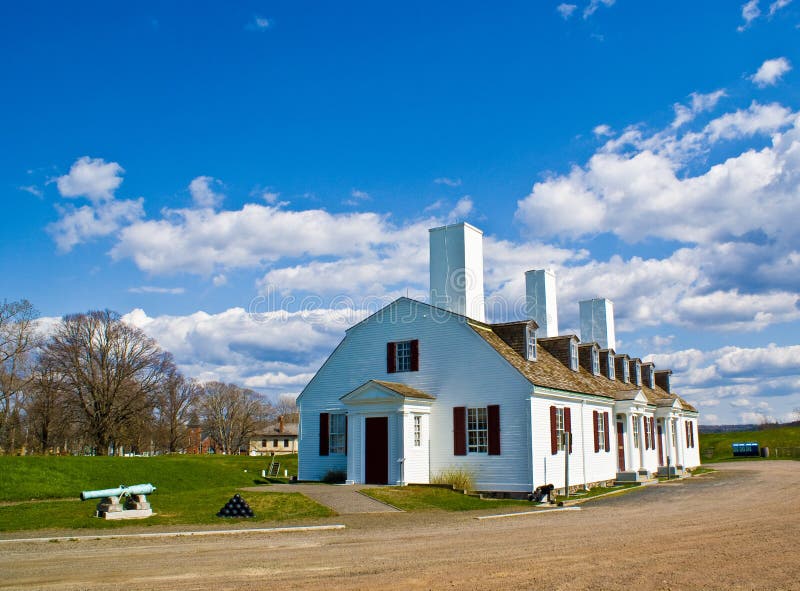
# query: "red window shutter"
(391, 357)
(596, 420)
(493, 417)
(652, 432)
(553, 432)
(607, 429)
(568, 425)
(415, 355)
(459, 431)
(687, 432)
(323, 433)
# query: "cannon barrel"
(136, 489)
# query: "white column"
(642, 439)
(629, 447)
(681, 440)
(670, 453)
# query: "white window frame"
(560, 429)
(337, 434)
(595, 362)
(417, 430)
(626, 374)
(651, 379)
(530, 343)
(675, 434)
(477, 430)
(635, 431)
(402, 356)
(612, 372)
(573, 356)
(601, 430)
(637, 373)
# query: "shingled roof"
(549, 372)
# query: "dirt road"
(734, 529)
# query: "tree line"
(95, 384)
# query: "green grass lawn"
(715, 447)
(597, 491)
(189, 490)
(429, 498)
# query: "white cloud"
(219, 280)
(462, 209)
(82, 224)
(159, 290)
(566, 10)
(593, 5)
(750, 12)
(447, 181)
(259, 23)
(770, 72)
(778, 5)
(32, 189)
(203, 194)
(646, 192)
(270, 197)
(91, 177)
(603, 130)
(699, 104)
(361, 195)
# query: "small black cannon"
(543, 492)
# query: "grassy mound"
(190, 490)
(715, 447)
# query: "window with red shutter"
(568, 425)
(553, 430)
(493, 411)
(596, 421)
(459, 431)
(607, 440)
(415, 355)
(391, 356)
(646, 433)
(323, 434)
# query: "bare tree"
(46, 410)
(286, 407)
(112, 372)
(230, 414)
(18, 339)
(176, 404)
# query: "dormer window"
(595, 362)
(638, 374)
(530, 343)
(612, 374)
(651, 378)
(573, 356)
(626, 376)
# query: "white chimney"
(597, 322)
(540, 301)
(456, 268)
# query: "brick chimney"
(280, 424)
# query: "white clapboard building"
(419, 388)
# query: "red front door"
(620, 446)
(376, 451)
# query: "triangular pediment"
(375, 391)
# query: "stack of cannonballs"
(236, 507)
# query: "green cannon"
(120, 491)
(109, 507)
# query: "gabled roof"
(367, 392)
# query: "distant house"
(417, 389)
(199, 442)
(277, 438)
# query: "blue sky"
(178, 162)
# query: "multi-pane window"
(611, 372)
(635, 432)
(403, 356)
(573, 356)
(625, 372)
(338, 434)
(560, 428)
(417, 430)
(477, 430)
(675, 434)
(638, 374)
(595, 362)
(530, 340)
